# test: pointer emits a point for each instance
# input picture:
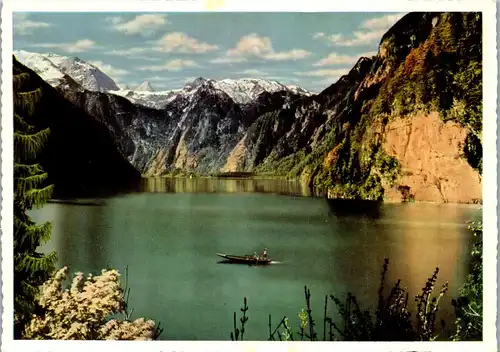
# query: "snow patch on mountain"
(52, 68)
(244, 90)
(42, 66)
(155, 100)
(144, 87)
(241, 91)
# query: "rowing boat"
(246, 259)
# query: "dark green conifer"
(31, 268)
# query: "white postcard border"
(490, 68)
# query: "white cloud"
(146, 58)
(25, 26)
(335, 37)
(177, 42)
(79, 46)
(252, 44)
(142, 24)
(370, 32)
(384, 22)
(111, 71)
(294, 54)
(318, 35)
(127, 52)
(157, 79)
(336, 59)
(134, 53)
(324, 73)
(359, 38)
(114, 19)
(255, 46)
(173, 65)
(228, 59)
(253, 72)
(76, 47)
(339, 59)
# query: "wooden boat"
(246, 259)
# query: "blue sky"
(311, 50)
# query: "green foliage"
(391, 320)
(467, 106)
(473, 151)
(281, 167)
(31, 268)
(238, 333)
(388, 166)
(443, 73)
(469, 305)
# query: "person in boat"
(264, 254)
(255, 256)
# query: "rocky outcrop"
(403, 125)
(432, 164)
(195, 132)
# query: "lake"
(168, 234)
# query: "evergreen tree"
(31, 268)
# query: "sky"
(311, 50)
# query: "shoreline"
(97, 200)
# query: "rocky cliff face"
(402, 125)
(432, 165)
(195, 132)
(80, 156)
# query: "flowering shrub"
(83, 311)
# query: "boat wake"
(250, 263)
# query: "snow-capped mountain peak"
(144, 87)
(196, 83)
(42, 65)
(52, 68)
(244, 90)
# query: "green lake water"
(169, 232)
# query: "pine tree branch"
(19, 79)
(26, 101)
(23, 184)
(38, 197)
(38, 263)
(27, 146)
(19, 124)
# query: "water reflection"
(80, 235)
(355, 208)
(416, 238)
(169, 235)
(440, 242)
(214, 185)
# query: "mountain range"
(402, 125)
